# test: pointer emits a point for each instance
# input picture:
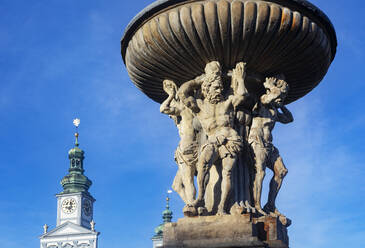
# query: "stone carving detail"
(69, 244)
(226, 140)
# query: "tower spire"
(166, 216)
(75, 181)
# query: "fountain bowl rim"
(303, 6)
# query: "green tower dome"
(75, 181)
(167, 217)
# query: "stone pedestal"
(229, 231)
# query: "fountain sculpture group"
(228, 129)
(224, 70)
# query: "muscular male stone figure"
(216, 114)
(187, 152)
(265, 115)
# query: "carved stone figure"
(187, 151)
(224, 142)
(216, 115)
(265, 154)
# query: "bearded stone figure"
(226, 141)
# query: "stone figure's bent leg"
(178, 186)
(276, 164)
(260, 154)
(186, 162)
(207, 158)
(187, 172)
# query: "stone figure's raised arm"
(285, 117)
(240, 92)
(272, 91)
(186, 93)
(171, 89)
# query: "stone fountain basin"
(175, 39)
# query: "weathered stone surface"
(272, 231)
(225, 231)
(212, 231)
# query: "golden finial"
(76, 122)
(168, 198)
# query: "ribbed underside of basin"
(178, 42)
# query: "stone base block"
(228, 231)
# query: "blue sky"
(61, 59)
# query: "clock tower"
(75, 225)
(75, 204)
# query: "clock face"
(87, 207)
(69, 205)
